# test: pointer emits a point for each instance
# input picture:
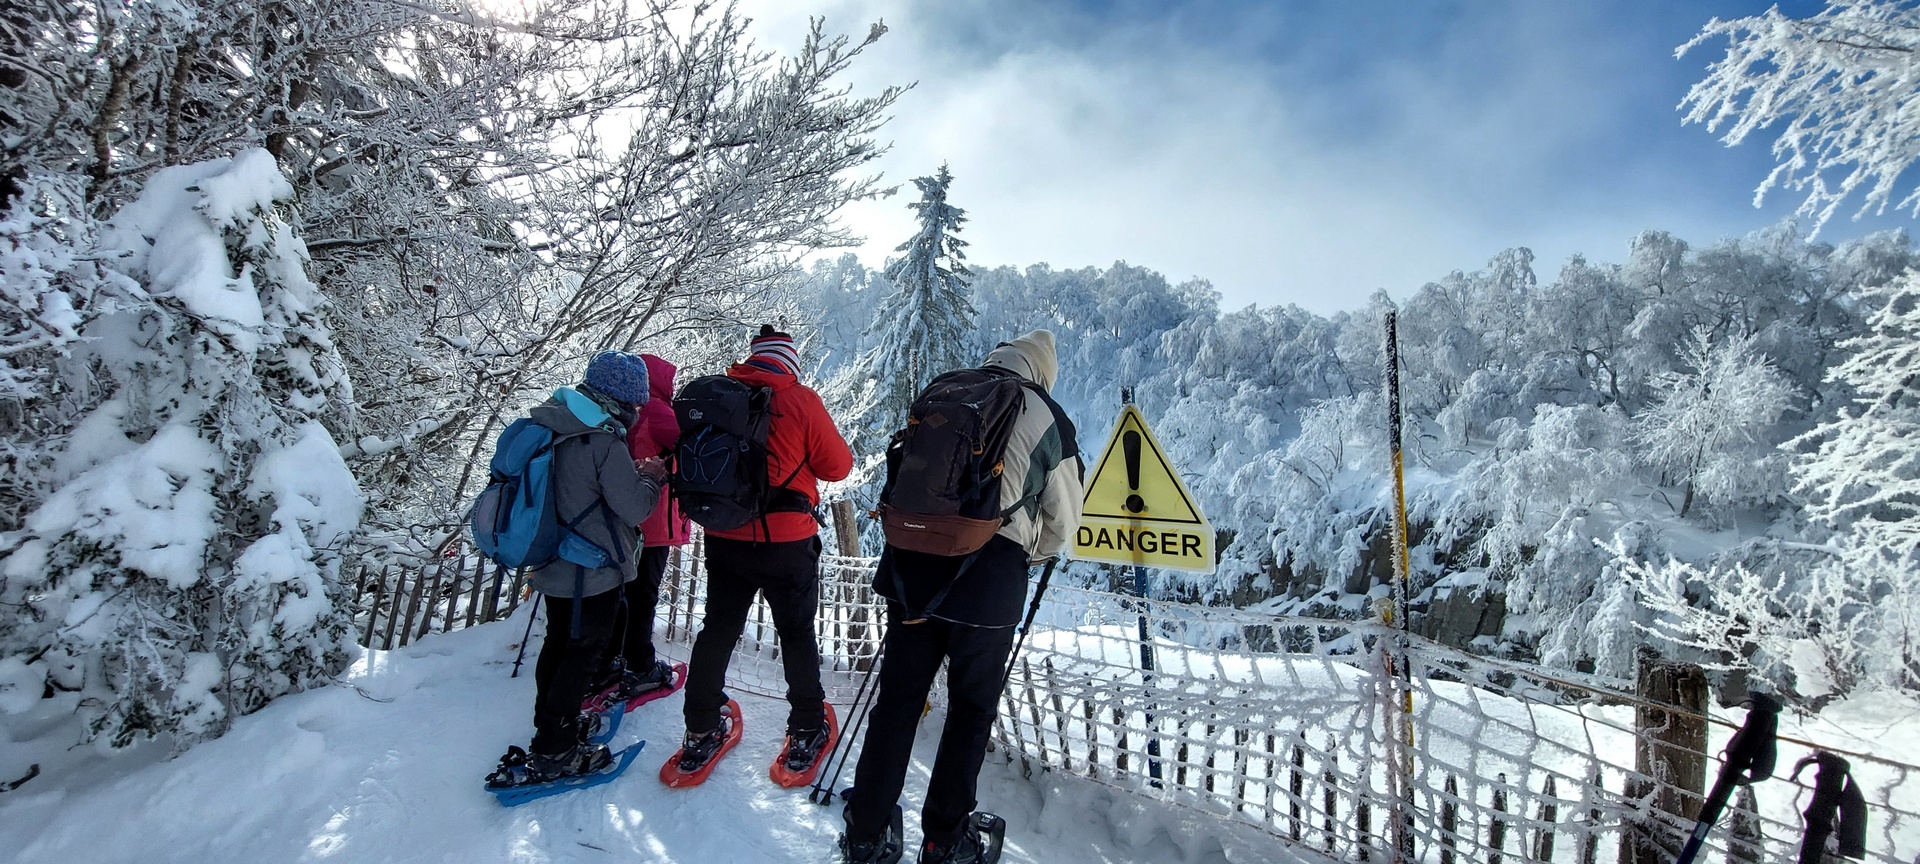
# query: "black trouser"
(976, 664)
(567, 666)
(632, 638)
(788, 574)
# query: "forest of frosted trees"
(273, 274)
(1564, 427)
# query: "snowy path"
(333, 776)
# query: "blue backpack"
(514, 523)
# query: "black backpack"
(720, 463)
(942, 493)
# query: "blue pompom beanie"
(619, 375)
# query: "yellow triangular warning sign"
(1137, 511)
(1134, 480)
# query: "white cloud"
(1211, 159)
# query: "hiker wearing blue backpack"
(565, 501)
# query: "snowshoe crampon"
(672, 774)
(785, 774)
(516, 782)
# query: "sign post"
(1137, 511)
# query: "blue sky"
(1303, 152)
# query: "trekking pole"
(1749, 759)
(1033, 609)
(1837, 807)
(823, 795)
(524, 639)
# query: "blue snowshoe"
(523, 777)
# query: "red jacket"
(654, 434)
(802, 442)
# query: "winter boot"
(699, 748)
(519, 768)
(598, 727)
(804, 746)
(980, 841)
(888, 850)
(632, 683)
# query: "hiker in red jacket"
(631, 666)
(778, 555)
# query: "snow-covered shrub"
(184, 568)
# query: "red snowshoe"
(685, 769)
(603, 699)
(797, 766)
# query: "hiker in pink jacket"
(652, 434)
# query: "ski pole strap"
(1837, 807)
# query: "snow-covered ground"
(388, 768)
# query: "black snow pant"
(567, 666)
(976, 664)
(788, 574)
(632, 639)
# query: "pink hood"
(655, 434)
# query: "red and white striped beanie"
(776, 347)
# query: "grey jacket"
(1042, 460)
(594, 483)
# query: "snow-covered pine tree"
(920, 331)
(184, 568)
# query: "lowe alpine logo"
(694, 414)
(916, 526)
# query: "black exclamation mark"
(1130, 446)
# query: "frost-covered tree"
(1707, 430)
(1838, 83)
(925, 327)
(183, 568)
(1862, 477)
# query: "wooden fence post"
(519, 583)
(393, 612)
(1670, 756)
(1093, 738)
(1543, 835)
(674, 562)
(846, 536)
(1295, 783)
(1497, 829)
(413, 608)
(1590, 844)
(373, 608)
(453, 597)
(1449, 820)
(1744, 840)
(433, 600)
(1329, 792)
(473, 598)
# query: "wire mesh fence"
(1299, 726)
